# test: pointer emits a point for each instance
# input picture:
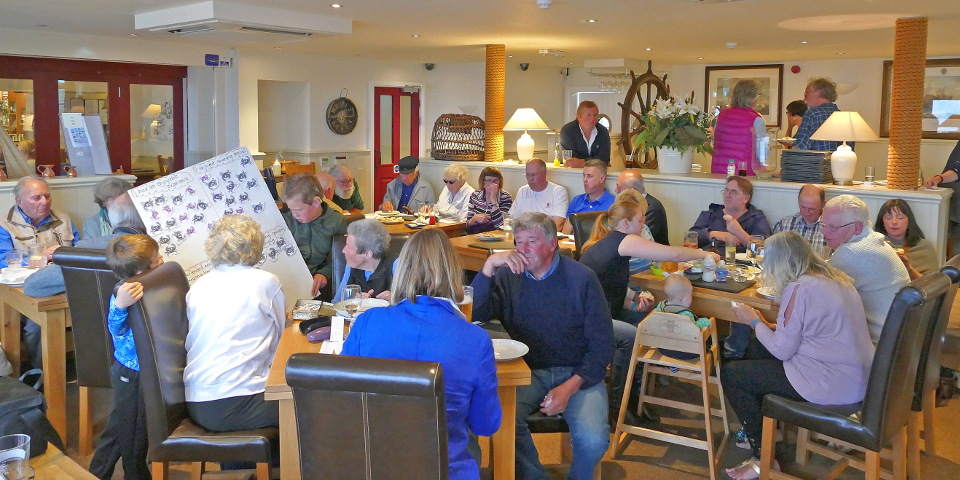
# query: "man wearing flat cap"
(407, 190)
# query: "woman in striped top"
(489, 203)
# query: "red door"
(396, 133)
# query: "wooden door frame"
(44, 72)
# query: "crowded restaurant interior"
(535, 239)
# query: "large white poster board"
(179, 209)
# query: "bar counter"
(685, 196)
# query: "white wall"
(284, 116)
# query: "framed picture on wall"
(941, 99)
(721, 79)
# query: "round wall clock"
(342, 115)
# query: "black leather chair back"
(889, 396)
(89, 284)
(159, 324)
(353, 217)
(582, 228)
(361, 417)
(340, 262)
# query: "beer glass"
(466, 306)
(15, 457)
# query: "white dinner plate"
(506, 350)
(492, 238)
(365, 304)
(766, 292)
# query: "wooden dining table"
(53, 316)
(451, 228)
(510, 375)
(708, 302)
(473, 258)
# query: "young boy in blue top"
(125, 435)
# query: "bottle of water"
(722, 272)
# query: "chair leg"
(708, 422)
(615, 444)
(767, 447)
(871, 465)
(913, 445)
(803, 438)
(900, 455)
(196, 470)
(86, 422)
(160, 470)
(929, 404)
(263, 471)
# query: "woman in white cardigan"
(236, 315)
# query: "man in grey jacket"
(407, 190)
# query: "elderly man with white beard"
(346, 194)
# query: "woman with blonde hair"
(615, 238)
(235, 314)
(425, 323)
(819, 350)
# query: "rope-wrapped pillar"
(906, 107)
(493, 116)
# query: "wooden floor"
(648, 459)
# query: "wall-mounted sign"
(213, 60)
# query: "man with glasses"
(877, 272)
(539, 195)
(346, 194)
(806, 222)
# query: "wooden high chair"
(674, 332)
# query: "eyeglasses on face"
(833, 228)
(449, 182)
(490, 180)
(729, 191)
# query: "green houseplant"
(677, 124)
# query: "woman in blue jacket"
(425, 323)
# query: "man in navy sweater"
(556, 307)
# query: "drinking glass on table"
(466, 306)
(754, 247)
(37, 258)
(691, 240)
(507, 226)
(15, 457)
(351, 300)
(14, 258)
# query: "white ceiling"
(676, 31)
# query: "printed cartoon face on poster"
(180, 209)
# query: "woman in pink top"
(819, 350)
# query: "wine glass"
(351, 300)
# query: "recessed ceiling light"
(415, 35)
(509, 56)
(335, 5)
(276, 48)
(839, 53)
(803, 42)
(591, 21)
(134, 35)
(699, 58)
(648, 49)
(41, 26)
(571, 63)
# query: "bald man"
(656, 216)
(329, 185)
(806, 222)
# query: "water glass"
(869, 174)
(567, 155)
(37, 259)
(756, 243)
(15, 457)
(14, 258)
(507, 226)
(351, 300)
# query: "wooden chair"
(674, 332)
(294, 169)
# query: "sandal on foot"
(752, 472)
(740, 439)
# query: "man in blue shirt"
(820, 95)
(407, 190)
(595, 197)
(556, 307)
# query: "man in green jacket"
(313, 225)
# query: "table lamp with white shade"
(525, 119)
(844, 127)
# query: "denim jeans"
(586, 414)
(624, 335)
(736, 343)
